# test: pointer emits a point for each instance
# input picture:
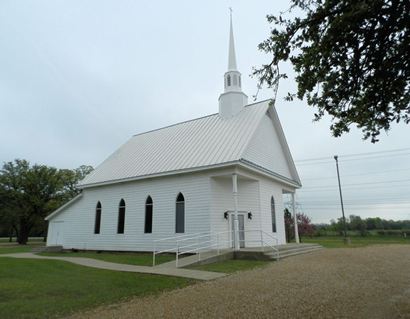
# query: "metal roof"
(202, 142)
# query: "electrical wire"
(354, 155)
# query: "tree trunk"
(16, 231)
(287, 233)
(22, 237)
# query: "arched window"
(235, 80)
(273, 212)
(228, 80)
(180, 214)
(239, 77)
(148, 215)
(121, 217)
(97, 224)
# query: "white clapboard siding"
(79, 218)
(265, 149)
(268, 189)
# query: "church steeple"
(232, 55)
(233, 99)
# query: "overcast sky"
(78, 78)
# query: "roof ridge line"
(167, 126)
(195, 119)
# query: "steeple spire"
(233, 99)
(232, 55)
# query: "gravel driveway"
(370, 282)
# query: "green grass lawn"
(15, 248)
(337, 241)
(14, 239)
(231, 266)
(49, 288)
(140, 259)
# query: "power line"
(384, 204)
(362, 206)
(353, 208)
(354, 175)
(350, 188)
(374, 157)
(360, 184)
(352, 159)
(373, 198)
(367, 206)
(353, 155)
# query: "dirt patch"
(369, 282)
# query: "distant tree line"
(363, 227)
(28, 193)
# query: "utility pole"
(341, 201)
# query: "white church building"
(217, 180)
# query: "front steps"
(295, 249)
(48, 249)
(285, 251)
(254, 253)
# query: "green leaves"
(29, 193)
(351, 58)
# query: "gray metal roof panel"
(200, 142)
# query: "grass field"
(48, 289)
(15, 248)
(231, 266)
(140, 259)
(337, 241)
(14, 239)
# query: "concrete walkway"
(213, 255)
(167, 270)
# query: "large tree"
(351, 58)
(28, 193)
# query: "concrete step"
(305, 251)
(288, 247)
(41, 249)
(294, 252)
(267, 253)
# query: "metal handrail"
(206, 241)
(269, 235)
(155, 252)
(263, 242)
(199, 248)
(195, 237)
(214, 242)
(179, 236)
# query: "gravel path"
(370, 282)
